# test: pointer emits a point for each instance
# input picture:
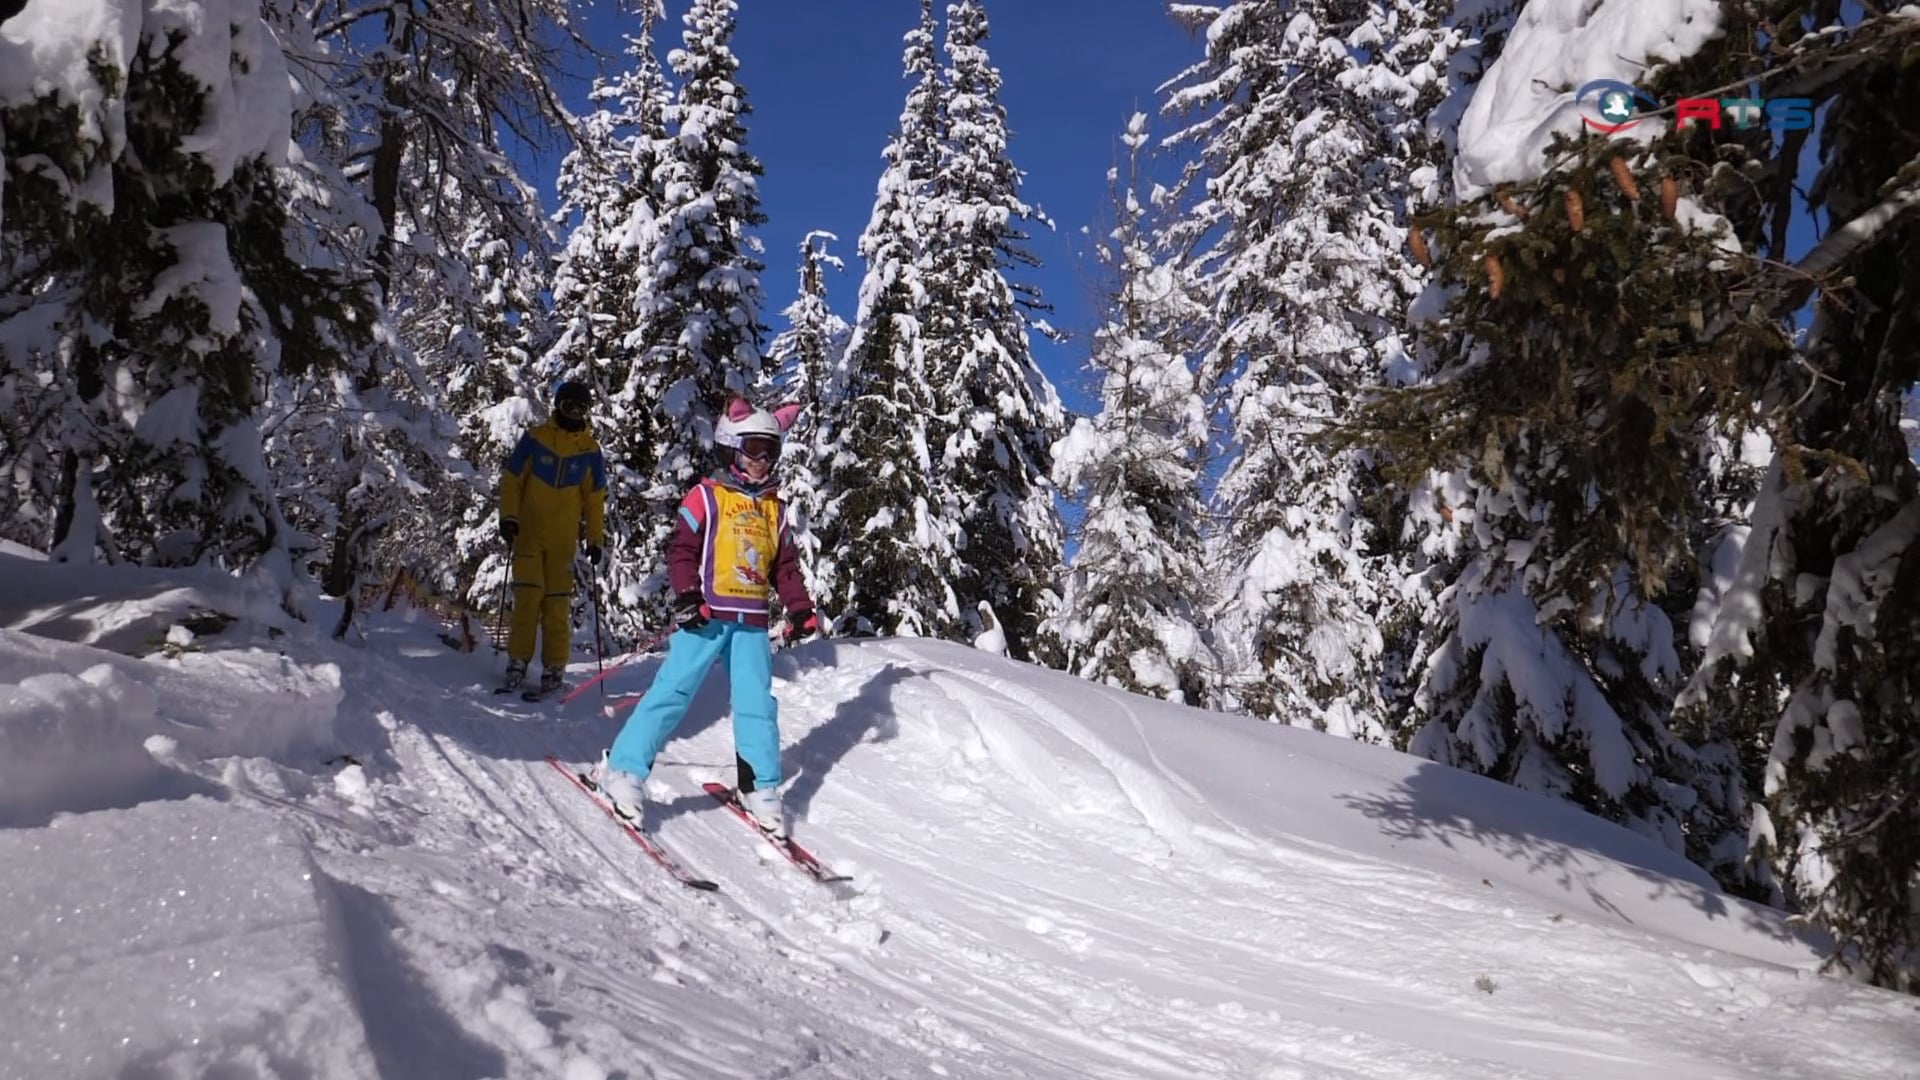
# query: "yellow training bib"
(744, 536)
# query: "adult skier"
(729, 553)
(553, 494)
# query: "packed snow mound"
(85, 729)
(104, 677)
(331, 859)
(1198, 785)
(180, 939)
(129, 609)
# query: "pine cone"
(1669, 196)
(1496, 276)
(1576, 210)
(1624, 177)
(1418, 242)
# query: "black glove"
(509, 529)
(689, 611)
(594, 553)
(801, 624)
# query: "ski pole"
(599, 655)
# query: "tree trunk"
(63, 497)
(343, 567)
(386, 192)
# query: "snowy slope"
(1051, 879)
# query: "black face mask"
(570, 417)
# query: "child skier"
(729, 552)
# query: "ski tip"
(820, 873)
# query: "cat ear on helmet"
(786, 414)
(738, 409)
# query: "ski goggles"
(572, 409)
(759, 448)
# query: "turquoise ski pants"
(690, 655)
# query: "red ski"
(667, 862)
(795, 854)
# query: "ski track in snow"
(1050, 879)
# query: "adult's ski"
(659, 855)
(795, 854)
(532, 697)
(528, 693)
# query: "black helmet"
(571, 400)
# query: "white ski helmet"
(743, 421)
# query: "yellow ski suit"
(554, 482)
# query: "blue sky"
(824, 80)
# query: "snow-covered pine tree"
(424, 107)
(1293, 223)
(485, 374)
(702, 330)
(311, 407)
(1560, 447)
(807, 355)
(1812, 665)
(885, 539)
(603, 309)
(48, 462)
(998, 415)
(462, 371)
(1442, 55)
(807, 362)
(155, 285)
(1139, 581)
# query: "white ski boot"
(763, 806)
(623, 790)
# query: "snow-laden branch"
(1819, 71)
(1785, 287)
(1864, 229)
(345, 21)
